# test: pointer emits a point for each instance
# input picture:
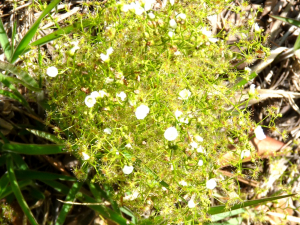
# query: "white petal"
(211, 184)
(52, 71)
(90, 101)
(141, 112)
(259, 133)
(171, 134)
(127, 169)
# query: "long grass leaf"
(13, 36)
(222, 216)
(287, 20)
(38, 175)
(16, 189)
(67, 207)
(59, 187)
(8, 190)
(297, 43)
(22, 74)
(10, 95)
(4, 180)
(5, 42)
(59, 33)
(46, 135)
(16, 92)
(223, 208)
(19, 162)
(24, 43)
(33, 149)
(103, 211)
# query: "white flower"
(107, 130)
(126, 7)
(173, 24)
(52, 71)
(245, 154)
(148, 4)
(131, 197)
(122, 95)
(127, 169)
(200, 163)
(211, 184)
(256, 27)
(198, 138)
(105, 58)
(102, 94)
(95, 94)
(183, 183)
(151, 15)
(90, 101)
(76, 47)
(171, 134)
(208, 34)
(182, 120)
(164, 189)
(200, 149)
(194, 144)
(247, 69)
(191, 203)
(170, 34)
(85, 156)
(259, 133)
(108, 80)
(128, 145)
(137, 8)
(172, 2)
(181, 16)
(178, 113)
(252, 89)
(109, 51)
(184, 94)
(141, 112)
(177, 53)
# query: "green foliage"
(168, 70)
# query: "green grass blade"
(16, 189)
(67, 207)
(222, 208)
(24, 43)
(297, 43)
(8, 190)
(16, 92)
(19, 162)
(5, 42)
(59, 187)
(10, 95)
(32, 149)
(15, 80)
(287, 20)
(4, 180)
(129, 213)
(58, 33)
(38, 175)
(46, 135)
(222, 216)
(13, 36)
(103, 211)
(99, 193)
(23, 75)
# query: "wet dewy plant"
(147, 100)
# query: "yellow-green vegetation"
(145, 94)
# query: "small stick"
(78, 203)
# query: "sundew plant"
(148, 96)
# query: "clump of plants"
(145, 98)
